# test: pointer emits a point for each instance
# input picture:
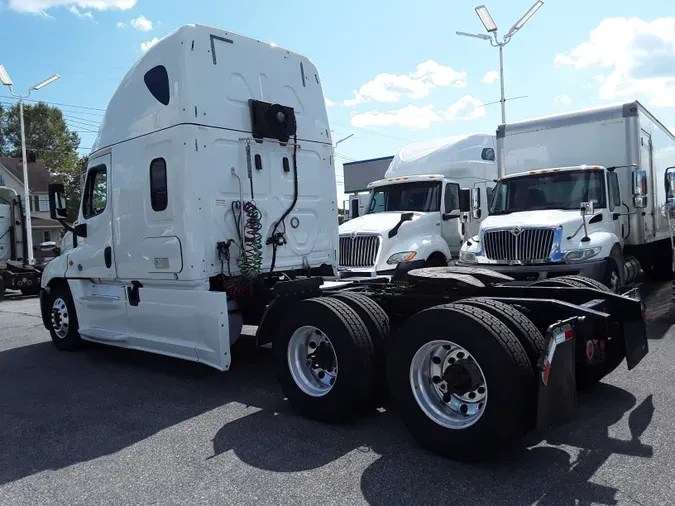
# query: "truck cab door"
(95, 258)
(450, 227)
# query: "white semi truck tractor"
(583, 193)
(210, 202)
(415, 214)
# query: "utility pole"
(5, 79)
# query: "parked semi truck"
(580, 193)
(414, 212)
(15, 272)
(209, 203)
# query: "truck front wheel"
(462, 382)
(324, 358)
(63, 325)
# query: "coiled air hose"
(249, 260)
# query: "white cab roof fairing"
(552, 170)
(453, 157)
(208, 71)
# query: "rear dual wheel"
(462, 381)
(325, 360)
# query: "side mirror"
(57, 202)
(475, 203)
(639, 183)
(670, 183)
(587, 208)
(464, 200)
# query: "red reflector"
(569, 334)
(547, 371)
(602, 345)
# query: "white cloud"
(329, 102)
(417, 118)
(141, 23)
(562, 100)
(392, 87)
(411, 116)
(41, 6)
(79, 13)
(148, 44)
(120, 24)
(639, 55)
(466, 108)
(490, 77)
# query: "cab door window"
(95, 192)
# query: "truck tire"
(560, 281)
(63, 325)
(465, 349)
(377, 322)
(2, 288)
(324, 359)
(589, 282)
(522, 327)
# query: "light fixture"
(486, 19)
(44, 83)
(4, 77)
(519, 24)
(475, 35)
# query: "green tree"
(47, 136)
(51, 141)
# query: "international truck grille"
(359, 251)
(526, 244)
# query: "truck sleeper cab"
(217, 212)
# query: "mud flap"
(635, 339)
(556, 381)
(635, 333)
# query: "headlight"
(403, 256)
(467, 257)
(576, 255)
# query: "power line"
(60, 104)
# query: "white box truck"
(414, 214)
(582, 193)
(210, 202)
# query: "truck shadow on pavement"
(403, 473)
(59, 409)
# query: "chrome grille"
(531, 244)
(361, 251)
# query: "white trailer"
(209, 202)
(615, 162)
(414, 213)
(355, 206)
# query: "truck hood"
(543, 218)
(375, 223)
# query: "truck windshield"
(423, 197)
(553, 190)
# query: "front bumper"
(594, 269)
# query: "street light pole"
(5, 79)
(491, 28)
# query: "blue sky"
(414, 78)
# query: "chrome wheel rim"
(448, 384)
(312, 361)
(60, 318)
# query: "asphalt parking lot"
(109, 426)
